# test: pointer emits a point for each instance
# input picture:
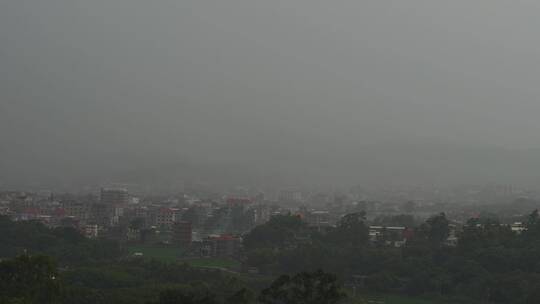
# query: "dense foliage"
(304, 288)
(490, 263)
(142, 280)
(66, 245)
(29, 279)
(35, 279)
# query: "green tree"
(279, 232)
(477, 235)
(351, 230)
(436, 229)
(29, 279)
(304, 288)
(533, 226)
(243, 296)
(187, 295)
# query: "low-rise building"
(91, 231)
(518, 227)
(395, 236)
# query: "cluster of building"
(210, 227)
(213, 227)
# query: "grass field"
(168, 254)
(174, 254)
(212, 262)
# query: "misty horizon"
(282, 92)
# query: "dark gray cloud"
(317, 90)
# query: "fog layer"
(283, 92)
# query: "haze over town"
(269, 93)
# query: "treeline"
(64, 244)
(490, 264)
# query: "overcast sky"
(90, 87)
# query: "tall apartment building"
(109, 209)
(290, 195)
(114, 196)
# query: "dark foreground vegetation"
(490, 264)
(60, 266)
(35, 279)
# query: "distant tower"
(290, 195)
(111, 206)
(114, 196)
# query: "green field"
(174, 254)
(168, 254)
(212, 262)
